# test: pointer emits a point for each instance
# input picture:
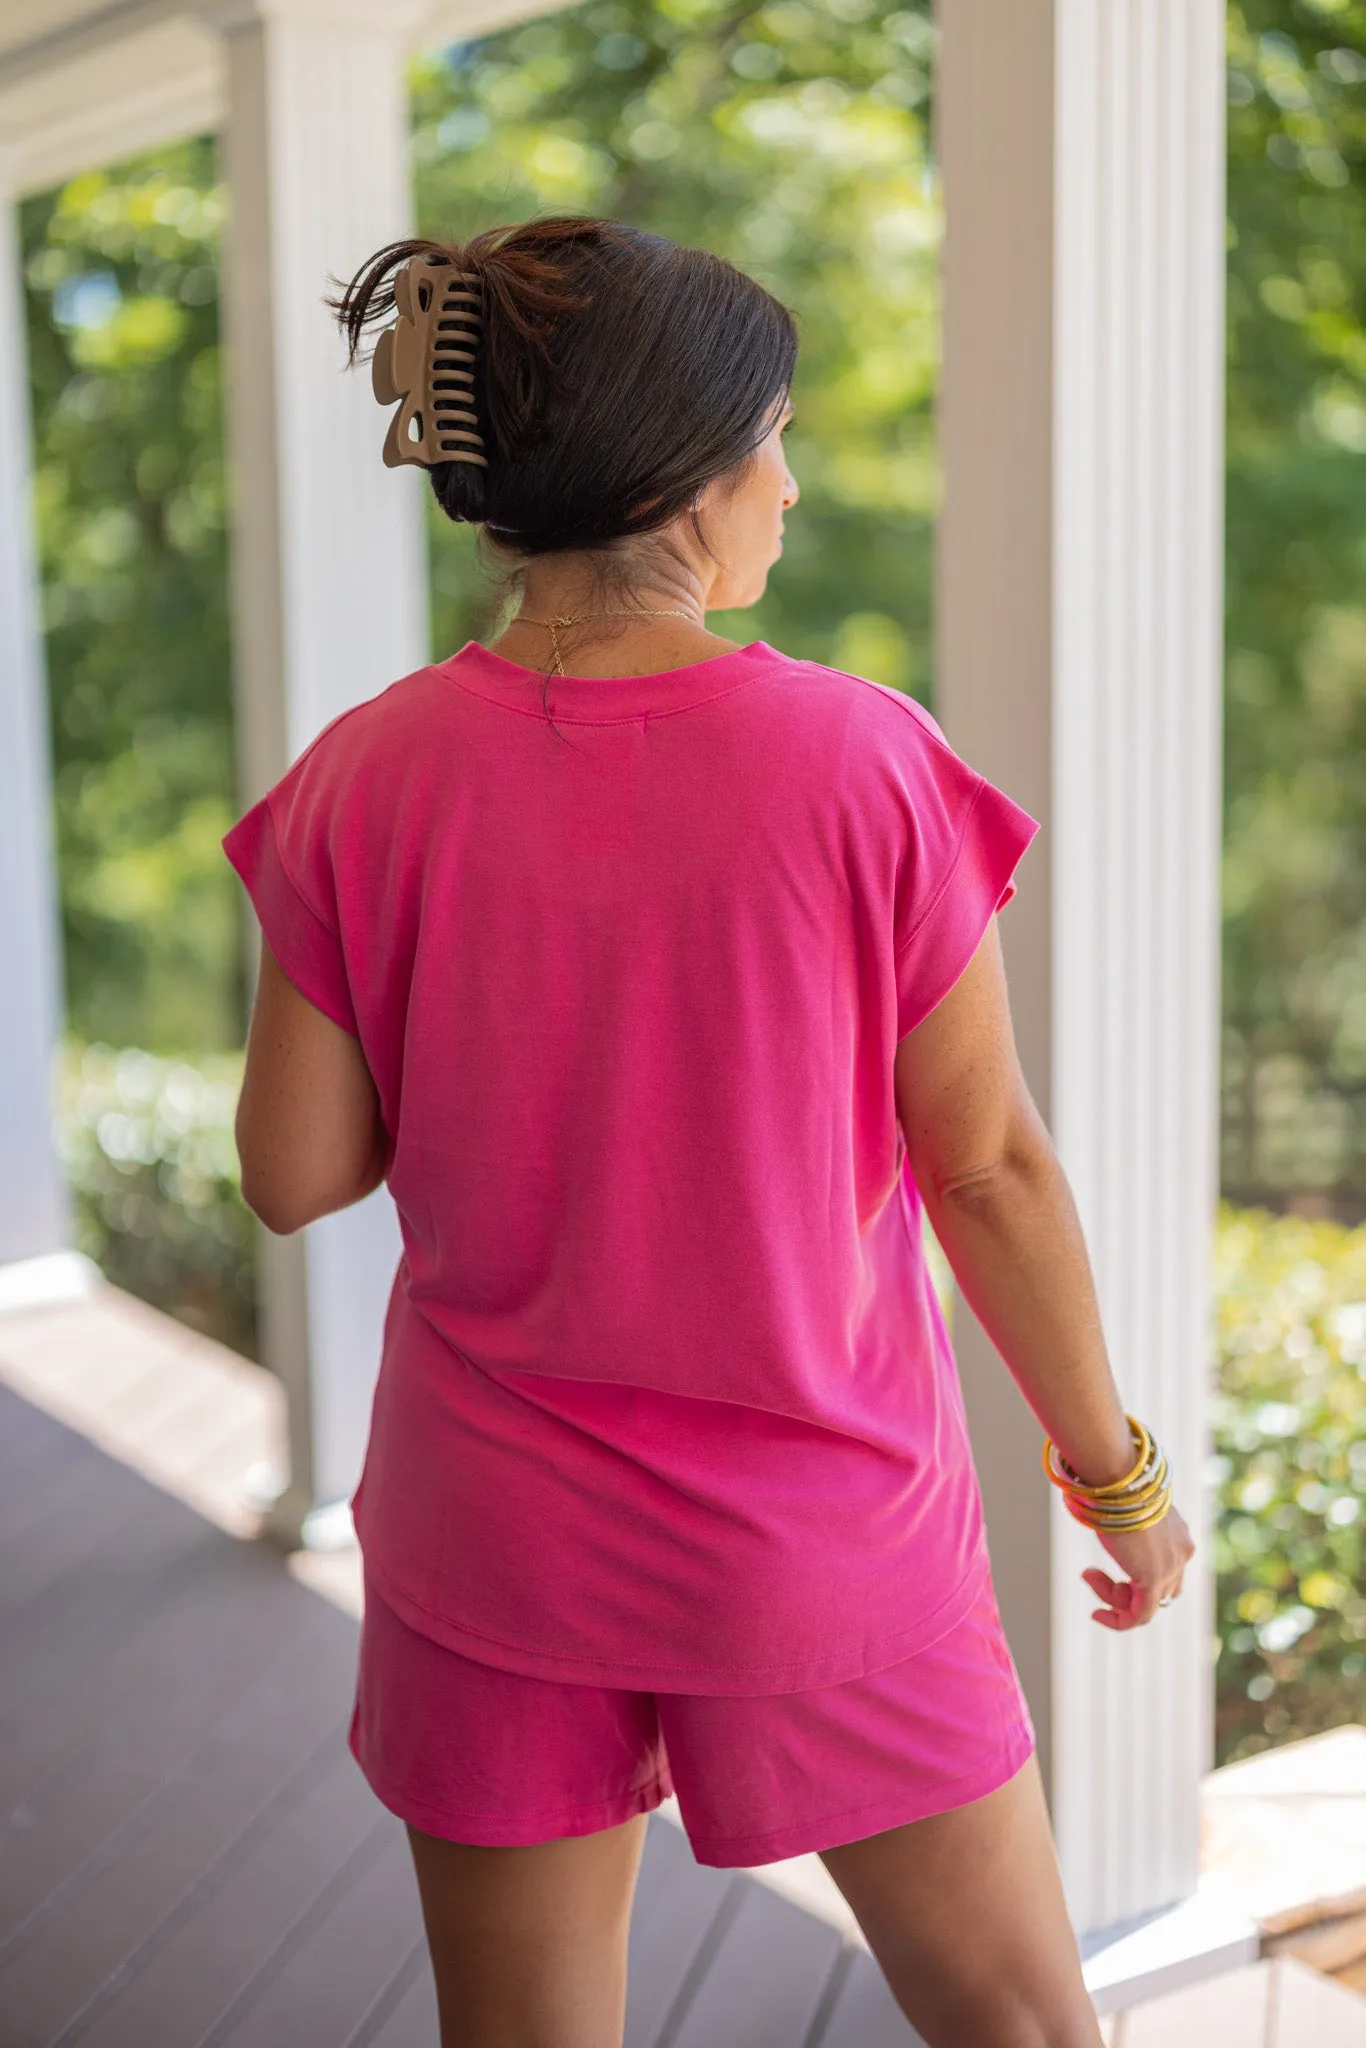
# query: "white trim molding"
(1078, 664)
(116, 80)
(134, 79)
(50, 1280)
(34, 1216)
(1200, 1938)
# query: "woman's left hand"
(1154, 1561)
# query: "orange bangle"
(1069, 1480)
(1123, 1506)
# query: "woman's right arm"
(1003, 1213)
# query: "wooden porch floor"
(189, 1857)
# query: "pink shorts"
(475, 1754)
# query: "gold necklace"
(582, 618)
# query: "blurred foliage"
(1295, 873)
(121, 277)
(148, 1148)
(1290, 1474)
(123, 348)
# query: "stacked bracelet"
(1137, 1501)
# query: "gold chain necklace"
(582, 618)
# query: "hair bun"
(568, 382)
(426, 362)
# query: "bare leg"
(529, 1945)
(965, 1915)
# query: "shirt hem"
(753, 1680)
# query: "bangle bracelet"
(1148, 1521)
(1143, 1485)
(1065, 1476)
(1122, 1506)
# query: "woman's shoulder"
(378, 728)
(889, 720)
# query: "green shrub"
(149, 1153)
(1290, 1471)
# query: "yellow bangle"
(1064, 1476)
(1148, 1521)
(1123, 1506)
(1155, 1480)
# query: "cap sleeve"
(281, 850)
(968, 837)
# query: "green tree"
(1295, 871)
(123, 339)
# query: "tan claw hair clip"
(424, 364)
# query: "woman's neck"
(610, 619)
(575, 585)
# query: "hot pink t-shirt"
(666, 1398)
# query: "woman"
(659, 979)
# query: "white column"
(329, 587)
(33, 1208)
(1079, 614)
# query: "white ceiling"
(87, 82)
(30, 21)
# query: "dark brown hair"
(618, 375)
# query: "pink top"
(666, 1399)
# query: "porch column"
(34, 1220)
(329, 587)
(1079, 625)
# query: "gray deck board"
(864, 2013)
(155, 1692)
(243, 1916)
(114, 1897)
(100, 1669)
(77, 1504)
(81, 1595)
(410, 2021)
(33, 1452)
(764, 1984)
(100, 1783)
(178, 1794)
(677, 1904)
(341, 1964)
(51, 1571)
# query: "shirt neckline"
(604, 700)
